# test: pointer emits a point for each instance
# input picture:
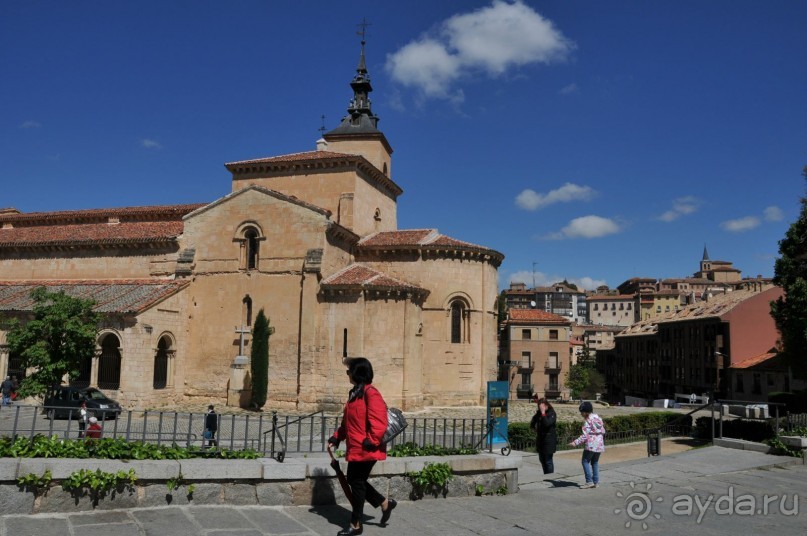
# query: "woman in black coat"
(543, 423)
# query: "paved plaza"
(705, 491)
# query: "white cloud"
(30, 124)
(570, 89)
(741, 224)
(151, 144)
(773, 214)
(531, 200)
(681, 207)
(586, 227)
(493, 40)
(544, 280)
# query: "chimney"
(322, 145)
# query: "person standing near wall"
(211, 426)
(594, 439)
(6, 388)
(546, 437)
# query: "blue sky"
(592, 141)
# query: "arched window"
(109, 363)
(457, 321)
(161, 363)
(251, 236)
(85, 373)
(15, 367)
(248, 310)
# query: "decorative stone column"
(4, 355)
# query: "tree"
(259, 362)
(54, 343)
(577, 379)
(501, 307)
(790, 273)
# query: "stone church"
(312, 239)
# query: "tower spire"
(360, 118)
(705, 253)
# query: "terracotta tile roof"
(110, 295)
(359, 275)
(157, 212)
(420, 239)
(312, 160)
(91, 234)
(294, 157)
(535, 316)
(755, 360)
(124, 225)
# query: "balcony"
(525, 366)
(552, 389)
(553, 365)
(525, 387)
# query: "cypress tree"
(260, 359)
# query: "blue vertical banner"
(498, 395)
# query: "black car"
(65, 401)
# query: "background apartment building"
(535, 352)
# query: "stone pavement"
(706, 491)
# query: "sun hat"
(93, 420)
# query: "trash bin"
(653, 445)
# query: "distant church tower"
(706, 264)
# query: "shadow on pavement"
(562, 483)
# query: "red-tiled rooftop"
(420, 239)
(161, 212)
(360, 275)
(294, 157)
(91, 234)
(599, 297)
(110, 295)
(755, 360)
(535, 315)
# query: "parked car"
(65, 401)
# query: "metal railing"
(268, 434)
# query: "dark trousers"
(357, 475)
(546, 462)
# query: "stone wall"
(265, 482)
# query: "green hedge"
(521, 434)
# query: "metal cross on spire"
(322, 127)
(363, 25)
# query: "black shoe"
(391, 503)
(350, 531)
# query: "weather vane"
(322, 127)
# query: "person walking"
(594, 438)
(93, 430)
(83, 418)
(6, 388)
(364, 422)
(211, 426)
(546, 437)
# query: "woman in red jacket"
(363, 425)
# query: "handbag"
(396, 423)
(208, 434)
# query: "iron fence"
(268, 434)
